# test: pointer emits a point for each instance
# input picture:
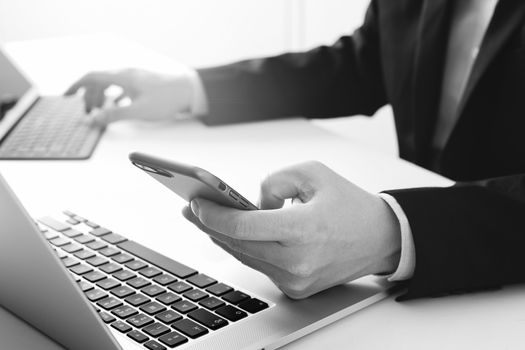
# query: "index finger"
(253, 225)
(100, 80)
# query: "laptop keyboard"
(55, 127)
(156, 301)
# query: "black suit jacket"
(471, 235)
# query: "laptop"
(41, 127)
(87, 287)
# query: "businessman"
(454, 73)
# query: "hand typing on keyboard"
(153, 96)
(333, 233)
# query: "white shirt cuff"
(407, 261)
(199, 102)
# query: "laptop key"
(84, 254)
(71, 233)
(201, 280)
(150, 272)
(122, 291)
(208, 319)
(211, 303)
(96, 245)
(173, 339)
(72, 221)
(83, 239)
(97, 261)
(139, 320)
(124, 275)
(69, 262)
(110, 268)
(109, 303)
(231, 313)
(179, 287)
(156, 329)
(109, 251)
(136, 265)
(168, 298)
(152, 308)
(94, 276)
(124, 311)
(138, 282)
(153, 345)
(92, 224)
(137, 336)
(50, 235)
(152, 290)
(80, 269)
(190, 328)
(195, 295)
(121, 326)
(114, 238)
(54, 224)
(122, 258)
(154, 258)
(184, 306)
(108, 283)
(95, 294)
(100, 231)
(71, 248)
(235, 297)
(219, 289)
(253, 305)
(84, 286)
(59, 241)
(164, 279)
(107, 318)
(168, 316)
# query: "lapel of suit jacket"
(429, 63)
(508, 14)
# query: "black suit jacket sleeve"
(343, 79)
(467, 237)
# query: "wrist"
(388, 240)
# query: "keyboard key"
(121, 326)
(68, 213)
(71, 232)
(164, 279)
(79, 218)
(60, 241)
(94, 276)
(81, 269)
(122, 258)
(153, 345)
(122, 291)
(109, 303)
(107, 318)
(72, 221)
(195, 295)
(184, 306)
(179, 287)
(95, 294)
(152, 290)
(84, 286)
(168, 316)
(139, 320)
(97, 261)
(60, 254)
(69, 262)
(235, 297)
(201, 280)
(110, 268)
(156, 329)
(92, 224)
(84, 254)
(168, 298)
(253, 305)
(109, 251)
(190, 328)
(138, 282)
(54, 224)
(108, 283)
(152, 308)
(173, 339)
(100, 231)
(211, 303)
(136, 265)
(150, 272)
(114, 238)
(208, 319)
(50, 235)
(231, 313)
(124, 311)
(124, 275)
(137, 336)
(96, 245)
(83, 239)
(71, 248)
(154, 258)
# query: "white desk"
(109, 190)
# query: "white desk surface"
(107, 189)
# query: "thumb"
(291, 182)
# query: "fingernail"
(195, 207)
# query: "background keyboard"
(156, 301)
(55, 127)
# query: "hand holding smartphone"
(190, 182)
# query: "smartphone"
(189, 181)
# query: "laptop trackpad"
(18, 335)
